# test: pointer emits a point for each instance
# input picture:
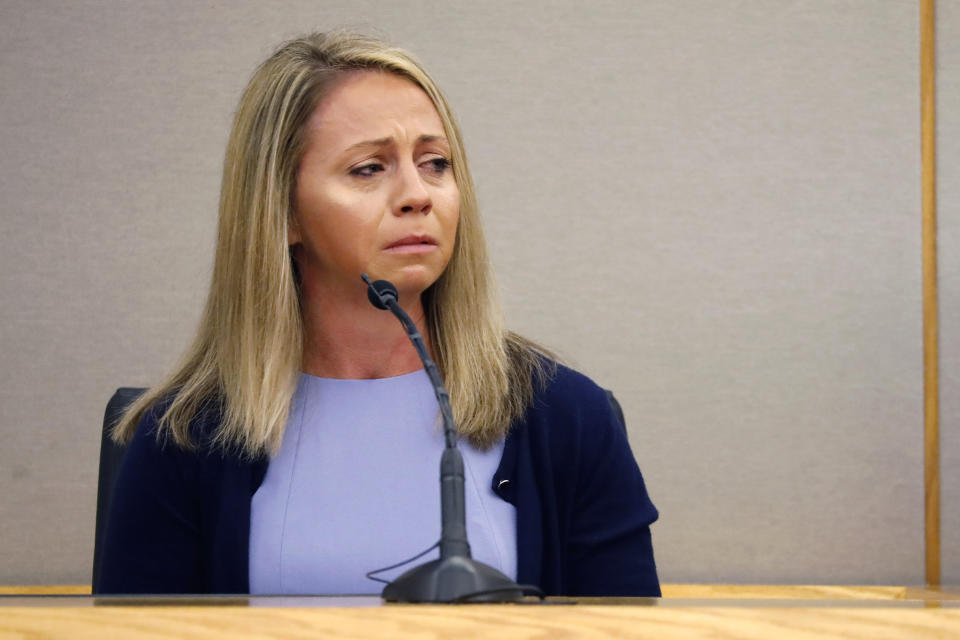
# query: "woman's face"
(375, 192)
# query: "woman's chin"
(411, 280)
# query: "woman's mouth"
(412, 244)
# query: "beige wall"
(710, 207)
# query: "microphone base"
(450, 580)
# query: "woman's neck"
(344, 336)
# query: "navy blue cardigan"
(180, 520)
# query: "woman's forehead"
(373, 105)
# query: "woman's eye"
(438, 165)
(367, 170)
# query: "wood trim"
(45, 589)
(670, 590)
(931, 399)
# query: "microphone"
(456, 576)
(379, 292)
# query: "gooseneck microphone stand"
(456, 576)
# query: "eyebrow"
(383, 142)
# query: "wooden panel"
(783, 591)
(669, 591)
(45, 589)
(931, 401)
(482, 621)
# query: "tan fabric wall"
(711, 207)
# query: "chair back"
(111, 455)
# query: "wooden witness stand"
(685, 611)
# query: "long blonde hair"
(245, 358)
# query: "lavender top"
(356, 486)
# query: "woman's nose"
(412, 194)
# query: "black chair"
(616, 409)
(111, 454)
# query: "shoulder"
(570, 417)
(571, 397)
(154, 462)
(571, 384)
(154, 454)
(574, 427)
(152, 457)
(201, 426)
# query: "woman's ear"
(293, 231)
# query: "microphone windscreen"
(386, 290)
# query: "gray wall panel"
(948, 236)
(710, 207)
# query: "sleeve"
(152, 540)
(610, 552)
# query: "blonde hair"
(244, 361)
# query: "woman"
(295, 447)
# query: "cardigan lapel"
(515, 483)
